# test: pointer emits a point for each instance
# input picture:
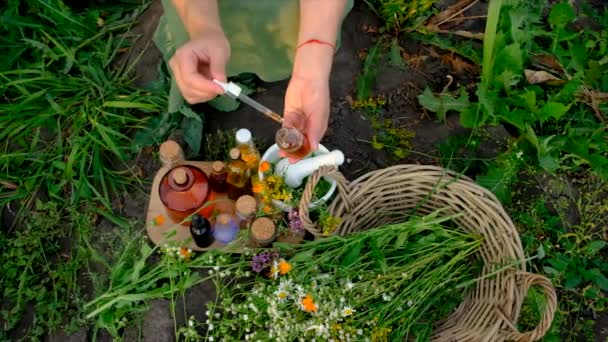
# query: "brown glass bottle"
(237, 176)
(291, 140)
(217, 178)
(183, 190)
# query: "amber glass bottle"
(293, 142)
(249, 154)
(183, 190)
(237, 176)
(217, 178)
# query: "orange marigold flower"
(264, 166)
(159, 220)
(308, 304)
(258, 188)
(284, 267)
(267, 209)
(185, 252)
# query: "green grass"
(68, 114)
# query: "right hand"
(199, 61)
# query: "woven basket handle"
(309, 190)
(529, 280)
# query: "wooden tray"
(158, 232)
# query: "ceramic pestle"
(294, 174)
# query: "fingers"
(193, 85)
(317, 126)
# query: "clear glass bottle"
(246, 207)
(183, 190)
(293, 142)
(225, 229)
(249, 153)
(201, 231)
(217, 178)
(237, 176)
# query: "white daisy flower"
(347, 311)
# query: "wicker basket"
(490, 311)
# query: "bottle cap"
(246, 205)
(217, 166)
(180, 175)
(170, 152)
(235, 153)
(223, 218)
(243, 136)
(263, 229)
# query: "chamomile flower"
(281, 295)
(349, 285)
(347, 311)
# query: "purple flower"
(295, 223)
(262, 260)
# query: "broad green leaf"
(602, 282)
(193, 134)
(145, 252)
(507, 80)
(572, 281)
(395, 54)
(554, 110)
(517, 118)
(498, 182)
(559, 262)
(548, 162)
(550, 270)
(529, 98)
(443, 103)
(540, 252)
(473, 117)
(189, 113)
(509, 59)
(353, 254)
(595, 246)
(561, 15)
(306, 255)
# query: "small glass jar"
(262, 232)
(246, 207)
(217, 178)
(225, 229)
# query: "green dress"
(262, 34)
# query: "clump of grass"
(67, 113)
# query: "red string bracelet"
(317, 41)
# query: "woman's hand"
(198, 62)
(308, 99)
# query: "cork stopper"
(180, 176)
(217, 166)
(170, 152)
(223, 219)
(235, 153)
(246, 205)
(263, 229)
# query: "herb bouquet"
(378, 285)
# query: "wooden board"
(157, 233)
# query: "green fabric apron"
(262, 34)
